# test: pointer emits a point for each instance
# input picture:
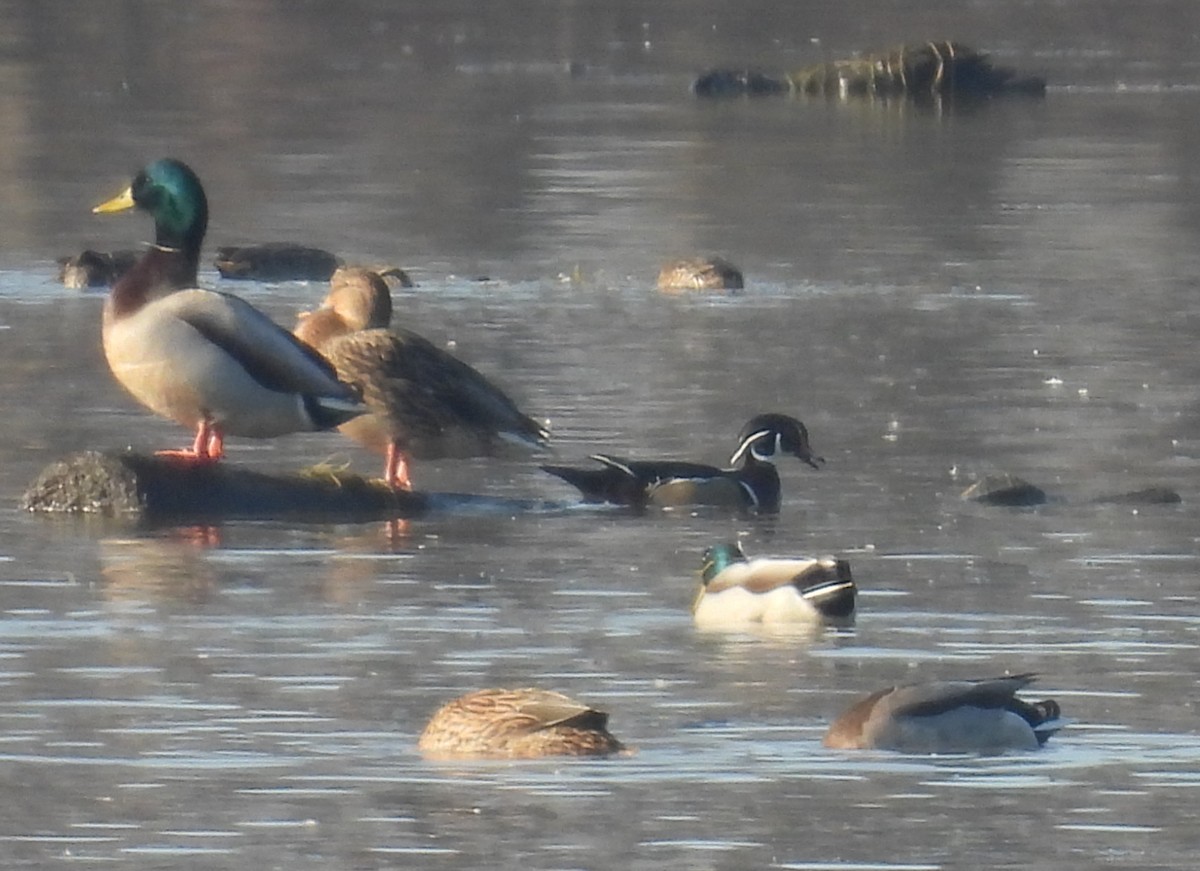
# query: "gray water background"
(938, 294)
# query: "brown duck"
(424, 401)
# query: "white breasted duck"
(735, 589)
(750, 483)
(424, 401)
(207, 360)
(954, 716)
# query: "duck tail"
(836, 597)
(330, 412)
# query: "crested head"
(766, 435)
(171, 193)
(360, 297)
(718, 558)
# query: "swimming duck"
(517, 724)
(700, 273)
(205, 359)
(735, 589)
(424, 401)
(275, 261)
(751, 482)
(960, 716)
(94, 268)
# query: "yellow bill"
(119, 203)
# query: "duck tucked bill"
(957, 716)
(424, 401)
(516, 724)
(207, 360)
(735, 589)
(750, 482)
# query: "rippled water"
(937, 294)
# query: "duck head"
(169, 192)
(718, 558)
(766, 435)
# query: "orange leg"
(395, 471)
(208, 447)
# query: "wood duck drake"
(424, 401)
(207, 360)
(961, 716)
(735, 589)
(751, 481)
(516, 724)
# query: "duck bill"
(119, 203)
(810, 458)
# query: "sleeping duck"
(275, 261)
(953, 716)
(516, 724)
(735, 589)
(750, 483)
(424, 401)
(207, 360)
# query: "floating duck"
(424, 401)
(94, 268)
(960, 716)
(204, 359)
(751, 482)
(700, 273)
(517, 724)
(735, 589)
(275, 261)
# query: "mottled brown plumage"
(700, 273)
(516, 724)
(424, 401)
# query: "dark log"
(155, 489)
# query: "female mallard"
(962, 716)
(95, 268)
(275, 261)
(424, 401)
(735, 589)
(751, 482)
(700, 273)
(205, 359)
(517, 724)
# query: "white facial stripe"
(746, 444)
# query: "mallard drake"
(516, 724)
(736, 589)
(95, 268)
(424, 401)
(958, 716)
(700, 273)
(275, 261)
(205, 359)
(751, 482)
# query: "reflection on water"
(937, 295)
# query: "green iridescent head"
(719, 557)
(172, 194)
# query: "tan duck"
(735, 589)
(424, 401)
(516, 724)
(700, 273)
(207, 360)
(955, 716)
